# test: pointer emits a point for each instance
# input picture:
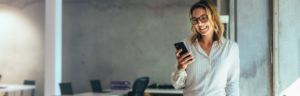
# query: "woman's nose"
(199, 22)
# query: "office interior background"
(122, 40)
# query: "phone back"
(180, 45)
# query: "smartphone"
(180, 45)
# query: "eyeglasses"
(202, 19)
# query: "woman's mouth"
(203, 28)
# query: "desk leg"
(2, 94)
(6, 94)
(148, 94)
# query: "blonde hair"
(213, 18)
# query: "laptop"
(96, 87)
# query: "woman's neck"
(207, 39)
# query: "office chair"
(96, 86)
(66, 89)
(139, 86)
(1, 94)
(29, 82)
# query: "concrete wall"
(121, 40)
(254, 37)
(21, 43)
(289, 43)
(223, 6)
(126, 39)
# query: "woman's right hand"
(182, 61)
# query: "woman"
(215, 66)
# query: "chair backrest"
(29, 82)
(139, 86)
(66, 88)
(96, 85)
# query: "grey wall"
(21, 43)
(127, 39)
(254, 37)
(223, 7)
(121, 40)
(289, 42)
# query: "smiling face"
(204, 27)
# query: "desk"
(164, 91)
(113, 93)
(124, 92)
(12, 88)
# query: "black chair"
(0, 79)
(1, 87)
(29, 82)
(96, 86)
(66, 89)
(139, 87)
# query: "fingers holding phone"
(183, 60)
(183, 56)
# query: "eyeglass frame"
(199, 19)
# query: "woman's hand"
(183, 60)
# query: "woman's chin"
(203, 33)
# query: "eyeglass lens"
(202, 19)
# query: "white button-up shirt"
(213, 75)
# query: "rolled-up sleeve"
(232, 85)
(178, 78)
